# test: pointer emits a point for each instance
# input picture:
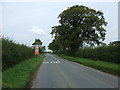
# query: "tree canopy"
(37, 42)
(79, 25)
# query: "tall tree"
(79, 25)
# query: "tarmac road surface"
(56, 72)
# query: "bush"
(109, 53)
(13, 53)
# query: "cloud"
(37, 31)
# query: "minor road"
(56, 72)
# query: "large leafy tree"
(79, 25)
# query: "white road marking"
(45, 62)
(52, 62)
(56, 59)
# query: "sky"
(25, 21)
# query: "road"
(56, 72)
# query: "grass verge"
(19, 75)
(107, 67)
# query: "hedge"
(13, 53)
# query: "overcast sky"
(23, 22)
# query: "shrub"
(109, 53)
(13, 53)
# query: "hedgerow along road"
(56, 72)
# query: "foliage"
(19, 75)
(54, 46)
(109, 53)
(43, 48)
(13, 53)
(37, 42)
(79, 25)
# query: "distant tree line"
(80, 26)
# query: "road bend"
(56, 72)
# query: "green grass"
(19, 75)
(108, 67)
